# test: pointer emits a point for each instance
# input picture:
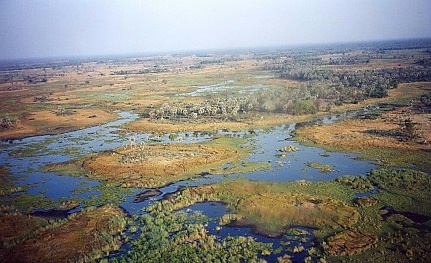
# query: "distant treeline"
(372, 83)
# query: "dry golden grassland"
(85, 236)
(72, 97)
(160, 164)
(381, 138)
(47, 122)
(94, 89)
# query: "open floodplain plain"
(307, 154)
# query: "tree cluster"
(373, 83)
(216, 108)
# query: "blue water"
(294, 166)
(216, 210)
(68, 146)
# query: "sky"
(51, 28)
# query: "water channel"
(26, 157)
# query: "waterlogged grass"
(345, 227)
(242, 167)
(399, 158)
(72, 168)
(28, 202)
(35, 149)
(273, 207)
(357, 183)
(168, 236)
(382, 139)
(7, 186)
(323, 168)
(288, 148)
(41, 149)
(388, 157)
(399, 235)
(110, 193)
(404, 190)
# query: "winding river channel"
(26, 157)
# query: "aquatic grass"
(242, 167)
(357, 183)
(323, 168)
(403, 182)
(272, 207)
(168, 236)
(28, 202)
(109, 193)
(8, 181)
(288, 148)
(35, 149)
(403, 189)
(72, 168)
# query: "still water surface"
(26, 157)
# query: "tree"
(409, 128)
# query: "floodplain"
(306, 154)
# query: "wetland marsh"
(280, 156)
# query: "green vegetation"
(288, 148)
(401, 234)
(35, 149)
(404, 190)
(7, 186)
(357, 183)
(67, 168)
(109, 193)
(324, 168)
(272, 207)
(390, 222)
(28, 202)
(168, 236)
(242, 167)
(358, 232)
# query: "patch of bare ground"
(86, 236)
(48, 122)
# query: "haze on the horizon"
(47, 28)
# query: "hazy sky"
(40, 28)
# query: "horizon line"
(191, 51)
